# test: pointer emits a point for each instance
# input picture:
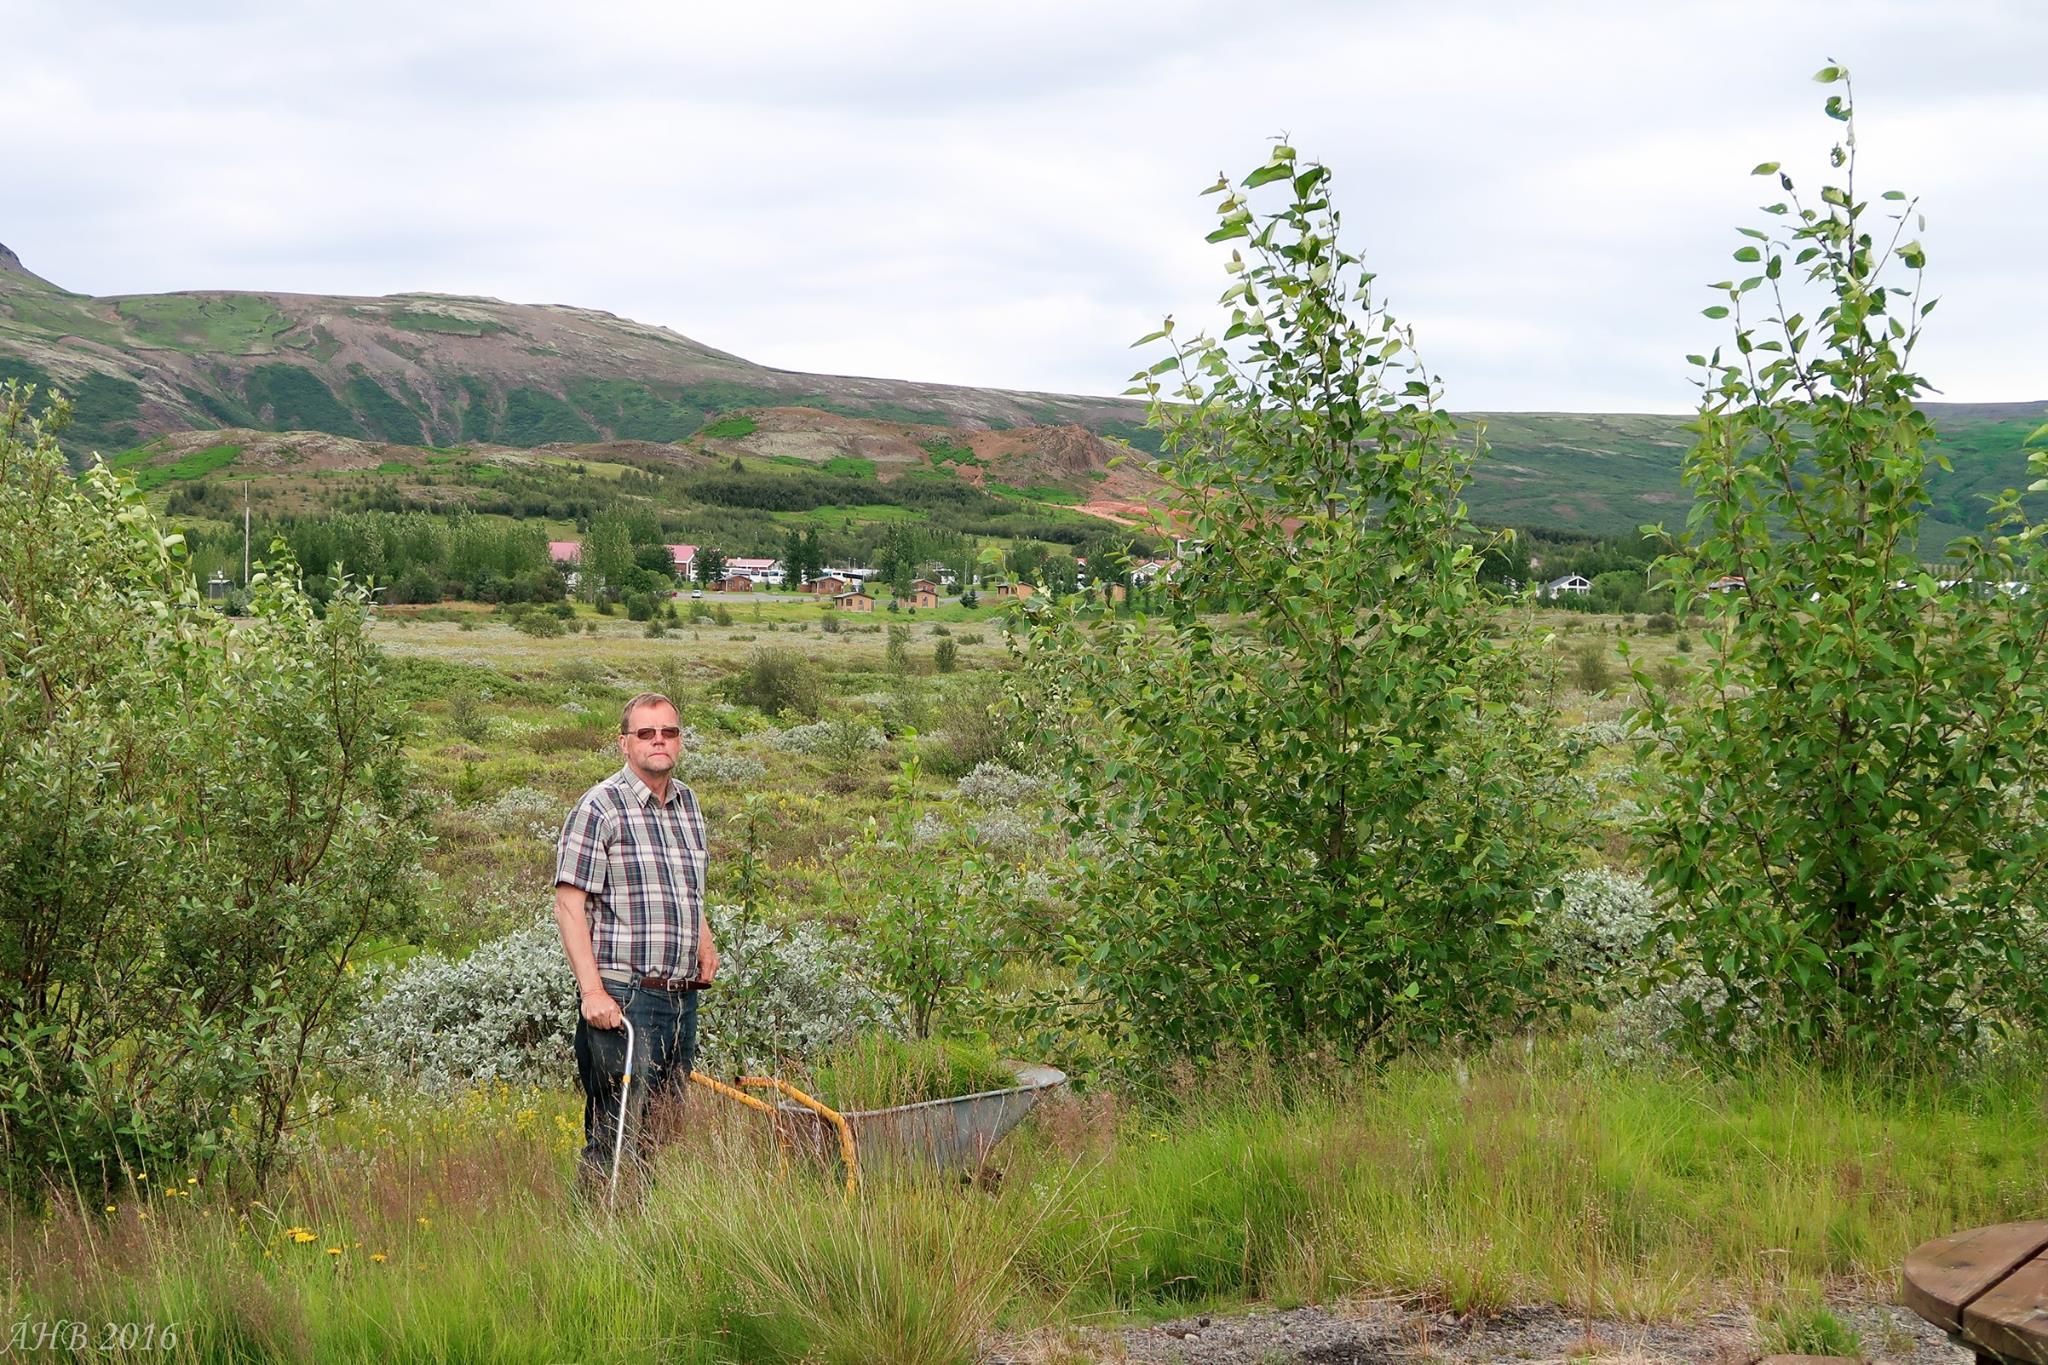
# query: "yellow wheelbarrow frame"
(847, 1152)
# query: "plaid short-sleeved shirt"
(642, 862)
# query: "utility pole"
(245, 535)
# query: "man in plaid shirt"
(629, 900)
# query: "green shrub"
(1326, 822)
(778, 681)
(945, 656)
(1591, 668)
(541, 625)
(971, 727)
(466, 716)
(1854, 834)
(200, 824)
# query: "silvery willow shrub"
(729, 768)
(200, 822)
(785, 992)
(829, 736)
(993, 784)
(506, 1011)
(1003, 829)
(1848, 817)
(524, 810)
(1602, 930)
(1323, 797)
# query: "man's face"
(656, 755)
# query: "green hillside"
(430, 369)
(427, 371)
(1609, 474)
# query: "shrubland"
(1389, 946)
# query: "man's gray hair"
(644, 699)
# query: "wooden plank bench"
(1988, 1288)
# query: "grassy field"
(1550, 1169)
(420, 1231)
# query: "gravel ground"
(1370, 1332)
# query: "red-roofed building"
(685, 557)
(565, 551)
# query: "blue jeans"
(664, 1050)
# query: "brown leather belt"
(664, 983)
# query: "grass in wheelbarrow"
(879, 1072)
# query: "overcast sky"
(1007, 195)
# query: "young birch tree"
(1847, 814)
(1321, 794)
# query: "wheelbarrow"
(954, 1133)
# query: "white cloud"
(1007, 195)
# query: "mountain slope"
(433, 370)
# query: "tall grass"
(1547, 1176)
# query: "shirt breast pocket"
(693, 851)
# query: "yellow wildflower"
(334, 1251)
(299, 1234)
(378, 1257)
(110, 1208)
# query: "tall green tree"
(710, 566)
(1321, 792)
(607, 554)
(1848, 815)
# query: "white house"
(764, 572)
(1571, 582)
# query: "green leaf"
(1765, 168)
(1747, 254)
(1266, 175)
(1717, 311)
(1227, 232)
(1828, 75)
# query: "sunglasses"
(647, 732)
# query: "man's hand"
(601, 1011)
(707, 957)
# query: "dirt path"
(1372, 1332)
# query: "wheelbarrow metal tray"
(955, 1132)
